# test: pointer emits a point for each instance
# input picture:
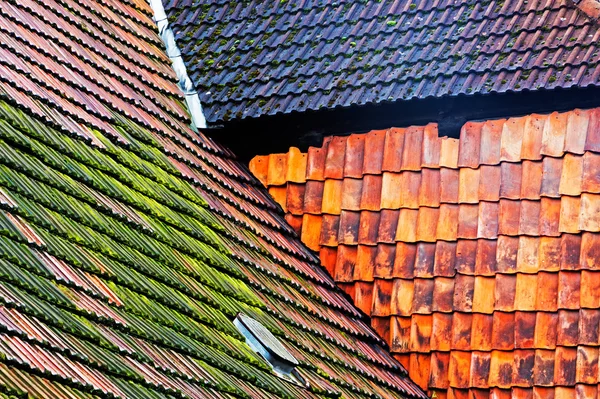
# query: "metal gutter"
(185, 83)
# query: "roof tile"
(332, 197)
(393, 150)
(458, 370)
(501, 369)
(449, 153)
(295, 198)
(525, 331)
(565, 366)
(480, 369)
(371, 195)
(491, 134)
(550, 253)
(577, 126)
(313, 196)
(469, 145)
(590, 287)
(569, 214)
(420, 334)
(546, 299)
(404, 263)
(553, 138)
(512, 140)
(355, 150)
(365, 264)
(466, 251)
(403, 290)
(445, 259)
(413, 141)
(543, 369)
(587, 365)
(510, 180)
(330, 226)
(391, 186)
(589, 216)
(374, 145)
(384, 261)
(592, 142)
(489, 183)
(572, 170)
(505, 292)
(531, 181)
(549, 217)
(369, 227)
(277, 172)
(424, 260)
(568, 331)
(440, 362)
(463, 293)
(532, 137)
(296, 164)
(349, 225)
(315, 163)
(423, 295)
(351, 194)
(551, 177)
(468, 186)
(485, 262)
(483, 294)
(507, 254)
(503, 331)
(334, 160)
(432, 147)
(591, 173)
(461, 331)
(429, 191)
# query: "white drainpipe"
(185, 83)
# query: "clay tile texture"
(478, 258)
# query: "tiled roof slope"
(128, 243)
(256, 58)
(478, 259)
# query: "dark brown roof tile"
(480, 369)
(570, 250)
(374, 146)
(334, 160)
(543, 369)
(355, 154)
(587, 367)
(295, 198)
(466, 251)
(330, 225)
(388, 224)
(423, 296)
(445, 258)
(553, 139)
(404, 264)
(443, 292)
(525, 330)
(568, 327)
(505, 292)
(565, 366)
(384, 261)
(392, 152)
(313, 196)
(485, 261)
(524, 361)
(369, 227)
(469, 145)
(589, 320)
(424, 260)
(348, 227)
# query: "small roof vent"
(263, 342)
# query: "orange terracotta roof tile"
(478, 259)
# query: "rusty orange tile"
(572, 173)
(525, 291)
(277, 171)
(506, 254)
(348, 227)
(419, 368)
(505, 292)
(589, 320)
(381, 325)
(411, 155)
(568, 289)
(529, 218)
(259, 166)
(459, 368)
(569, 214)
(512, 139)
(483, 294)
(295, 198)
(466, 252)
(480, 369)
(351, 194)
(525, 330)
(363, 298)
(368, 227)
(589, 214)
(311, 231)
(365, 263)
(468, 185)
(463, 293)
(587, 365)
(407, 225)
(496, 393)
(432, 147)
(469, 145)
(447, 227)
(568, 328)
(427, 222)
(371, 194)
(391, 187)
(400, 328)
(503, 331)
(457, 393)
(438, 376)
(374, 146)
(423, 296)
(392, 152)
(346, 260)
(388, 224)
(564, 393)
(404, 264)
(590, 251)
(449, 153)
(485, 261)
(445, 258)
(570, 251)
(546, 325)
(543, 369)
(382, 298)
(524, 361)
(553, 138)
(586, 391)
(279, 195)
(487, 224)
(468, 218)
(328, 257)
(489, 183)
(531, 180)
(532, 136)
(410, 184)
(549, 253)
(501, 369)
(591, 173)
(334, 160)
(313, 196)
(547, 292)
(590, 289)
(449, 185)
(551, 177)
(491, 134)
(549, 217)
(577, 126)
(510, 180)
(353, 161)
(402, 297)
(565, 366)
(330, 226)
(315, 163)
(424, 260)
(528, 260)
(420, 334)
(349, 289)
(404, 359)
(295, 222)
(384, 261)
(296, 166)
(332, 197)
(443, 293)
(429, 191)
(481, 332)
(592, 141)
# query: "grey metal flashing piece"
(185, 83)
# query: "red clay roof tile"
(553, 138)
(468, 186)
(590, 179)
(487, 224)
(404, 263)
(277, 171)
(458, 370)
(355, 150)
(296, 166)
(466, 251)
(388, 224)
(483, 294)
(295, 198)
(371, 195)
(525, 330)
(510, 180)
(374, 146)
(577, 126)
(447, 228)
(332, 197)
(351, 194)
(348, 227)
(485, 261)
(469, 145)
(315, 163)
(384, 261)
(431, 148)
(531, 180)
(449, 185)
(592, 141)
(587, 366)
(420, 333)
(334, 160)
(505, 292)
(491, 134)
(424, 260)
(391, 187)
(313, 196)
(330, 226)
(468, 220)
(532, 137)
(429, 192)
(443, 292)
(411, 155)
(392, 152)
(365, 264)
(512, 140)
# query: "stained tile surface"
(129, 243)
(477, 258)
